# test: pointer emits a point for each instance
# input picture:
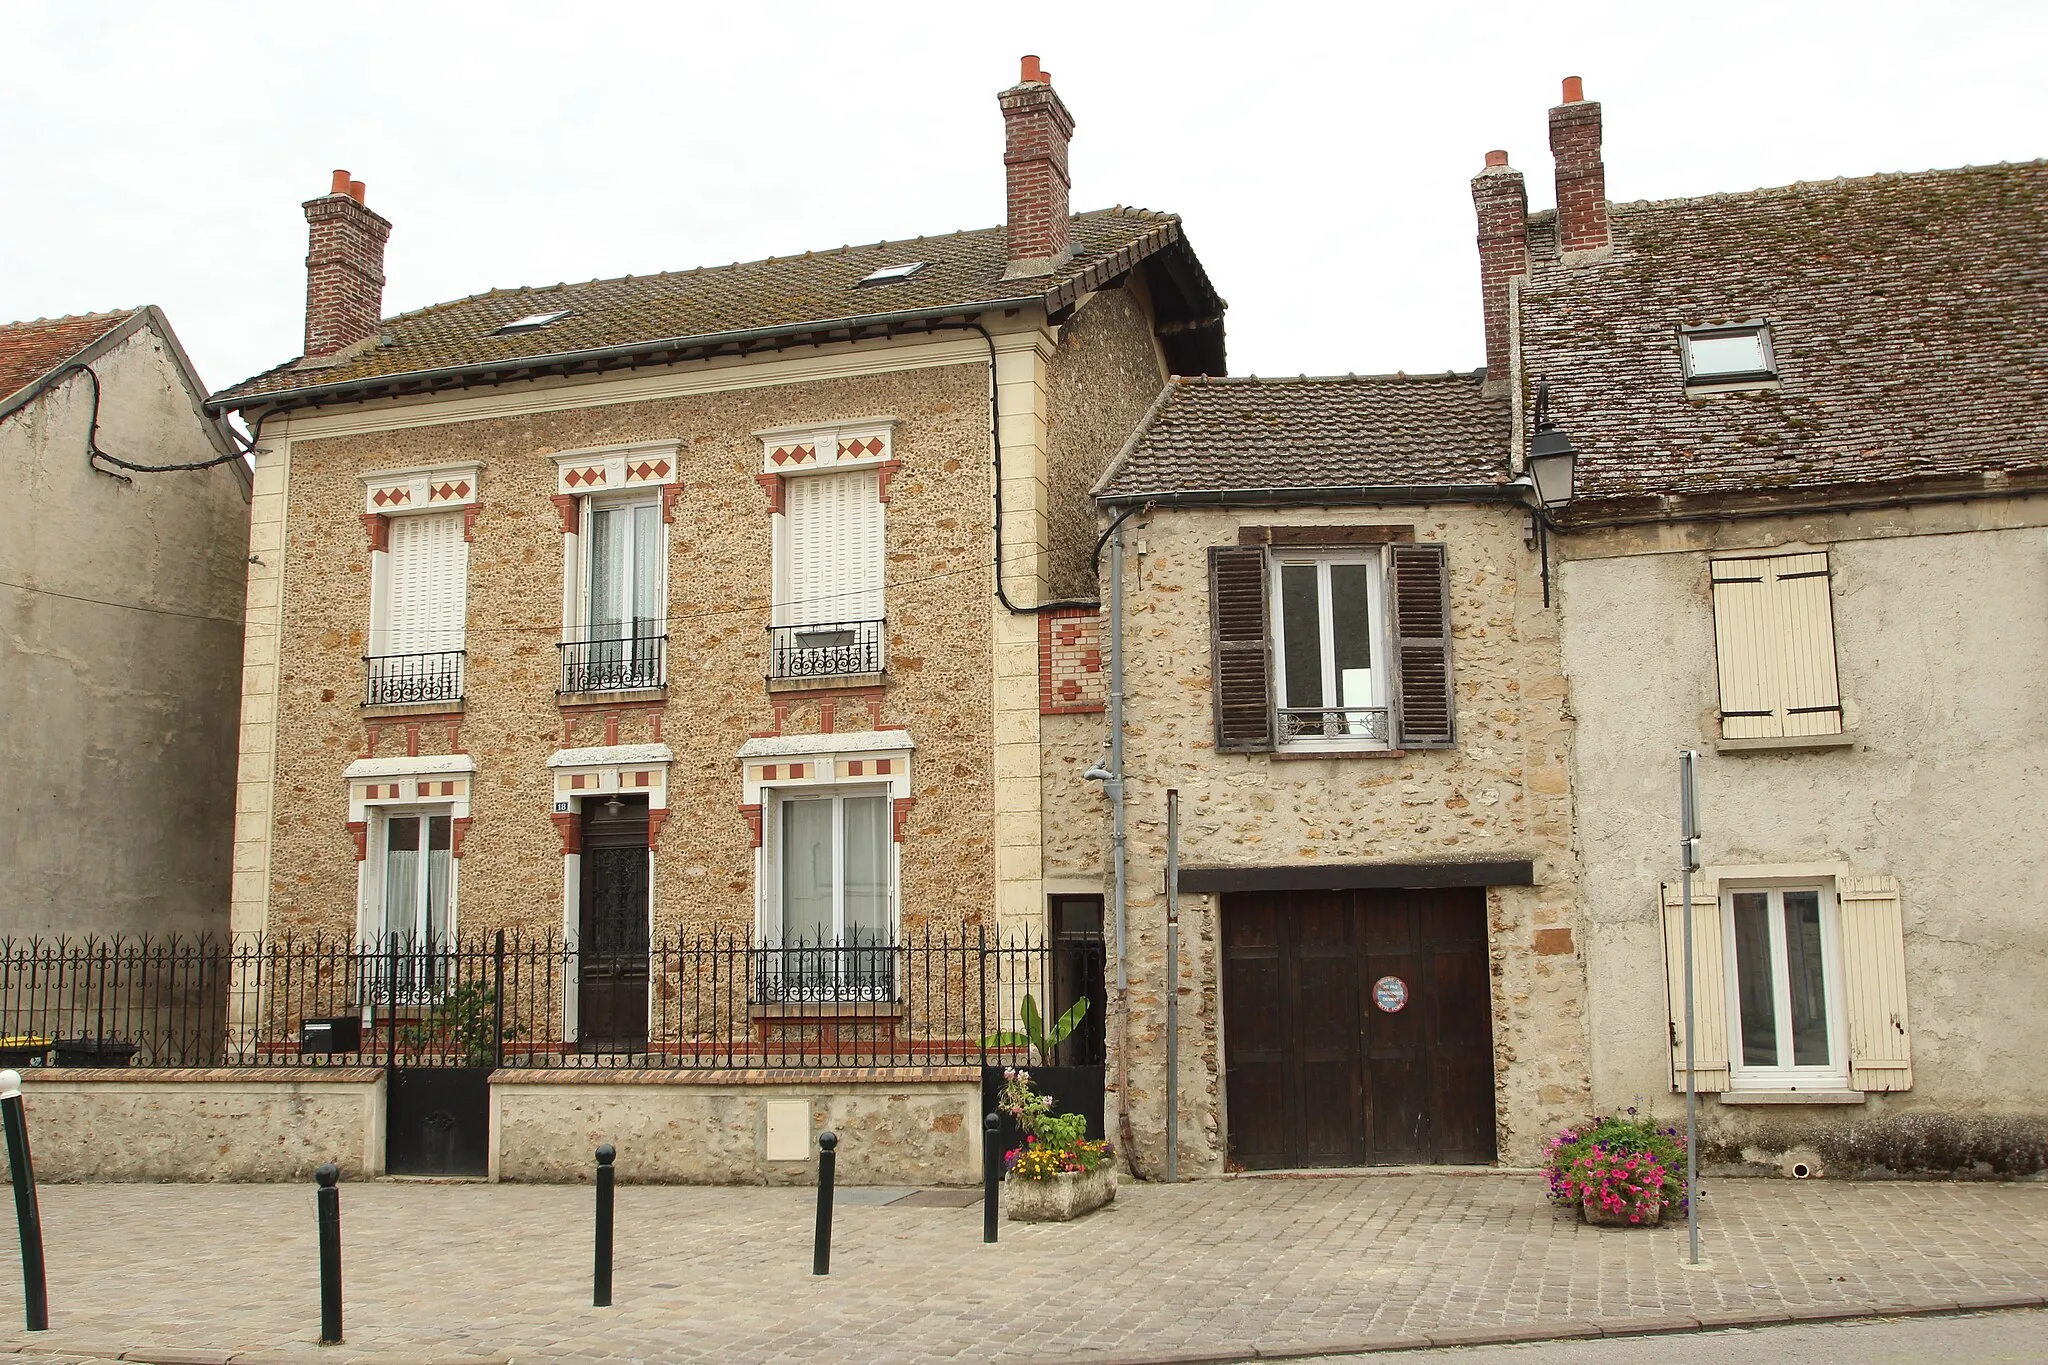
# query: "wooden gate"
(1358, 1028)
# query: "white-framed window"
(830, 921)
(412, 853)
(618, 634)
(1736, 354)
(1330, 650)
(1784, 981)
(419, 595)
(829, 606)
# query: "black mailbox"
(342, 1033)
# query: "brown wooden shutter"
(1239, 645)
(1422, 627)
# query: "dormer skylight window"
(1739, 354)
(532, 322)
(889, 274)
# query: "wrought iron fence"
(698, 1002)
(617, 663)
(828, 649)
(392, 679)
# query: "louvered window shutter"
(1709, 987)
(1774, 641)
(1238, 648)
(1422, 626)
(1874, 971)
(429, 569)
(836, 551)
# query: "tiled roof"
(963, 270)
(1266, 435)
(30, 350)
(1909, 320)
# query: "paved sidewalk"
(1215, 1269)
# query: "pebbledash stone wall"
(719, 564)
(1500, 794)
(706, 1128)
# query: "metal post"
(1688, 863)
(35, 1290)
(498, 1001)
(601, 1280)
(329, 1202)
(1172, 985)
(1118, 852)
(991, 1175)
(821, 1240)
(391, 1008)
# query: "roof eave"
(1332, 495)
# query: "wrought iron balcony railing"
(615, 664)
(1334, 722)
(402, 679)
(827, 649)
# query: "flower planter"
(1646, 1215)
(1066, 1196)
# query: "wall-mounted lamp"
(1553, 470)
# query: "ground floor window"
(418, 865)
(830, 921)
(1786, 1000)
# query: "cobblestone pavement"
(1216, 1269)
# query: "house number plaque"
(1390, 993)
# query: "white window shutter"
(1874, 970)
(836, 558)
(1774, 641)
(429, 568)
(1709, 987)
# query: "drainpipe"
(1111, 776)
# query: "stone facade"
(1501, 793)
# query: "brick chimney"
(1581, 177)
(1502, 202)
(1037, 129)
(344, 269)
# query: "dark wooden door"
(611, 959)
(1358, 1028)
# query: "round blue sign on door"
(1390, 993)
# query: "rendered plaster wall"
(1501, 793)
(1941, 631)
(672, 1128)
(118, 658)
(205, 1125)
(511, 870)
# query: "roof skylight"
(889, 274)
(532, 322)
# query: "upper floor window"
(1774, 641)
(829, 609)
(1728, 355)
(1323, 648)
(621, 638)
(419, 592)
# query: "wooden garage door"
(1321, 1072)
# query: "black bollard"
(329, 1201)
(991, 1175)
(821, 1241)
(35, 1289)
(601, 1283)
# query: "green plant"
(462, 1024)
(1034, 1035)
(1054, 1144)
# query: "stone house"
(1336, 651)
(725, 602)
(1808, 542)
(121, 586)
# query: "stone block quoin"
(344, 268)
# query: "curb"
(1578, 1329)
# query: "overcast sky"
(158, 153)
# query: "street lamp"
(1553, 467)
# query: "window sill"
(390, 710)
(830, 683)
(623, 695)
(1300, 755)
(1775, 743)
(1842, 1097)
(1708, 388)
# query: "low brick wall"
(896, 1126)
(204, 1124)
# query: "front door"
(611, 957)
(1358, 1027)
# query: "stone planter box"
(1064, 1197)
(1591, 1210)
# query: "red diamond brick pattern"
(449, 492)
(391, 497)
(1070, 662)
(861, 449)
(584, 478)
(806, 454)
(648, 471)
